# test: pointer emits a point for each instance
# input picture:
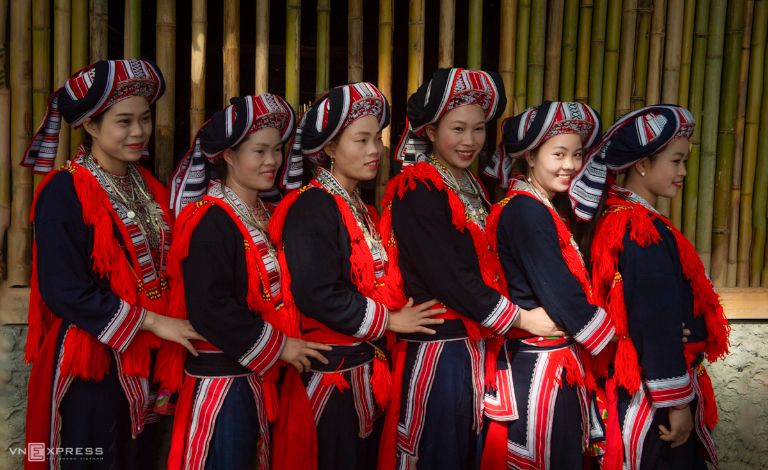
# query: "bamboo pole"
(597, 55)
(355, 31)
(581, 92)
(79, 54)
(262, 47)
(293, 52)
(322, 69)
(751, 137)
(415, 45)
(760, 190)
(537, 51)
(165, 27)
(41, 63)
(611, 66)
(475, 40)
(521, 54)
(686, 52)
(197, 75)
(713, 67)
(626, 58)
(570, 27)
(670, 90)
(447, 33)
(132, 30)
(386, 28)
(5, 137)
(656, 52)
(641, 59)
(696, 105)
(62, 20)
(231, 50)
(729, 97)
(554, 45)
(99, 30)
(20, 233)
(508, 20)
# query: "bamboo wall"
(615, 55)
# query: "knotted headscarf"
(639, 134)
(87, 94)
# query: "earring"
(642, 173)
(332, 160)
(529, 179)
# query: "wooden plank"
(743, 303)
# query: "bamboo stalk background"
(415, 46)
(586, 12)
(323, 69)
(656, 52)
(355, 31)
(521, 53)
(79, 59)
(5, 137)
(714, 67)
(760, 190)
(695, 106)
(642, 44)
(626, 56)
(292, 52)
(597, 55)
(20, 232)
(611, 65)
(674, 50)
(165, 125)
(447, 33)
(475, 40)
(262, 47)
(554, 38)
(231, 51)
(751, 135)
(62, 20)
(41, 63)
(386, 28)
(570, 26)
(197, 75)
(537, 52)
(132, 30)
(507, 56)
(99, 30)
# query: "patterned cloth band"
(639, 134)
(448, 89)
(534, 126)
(333, 112)
(87, 94)
(226, 129)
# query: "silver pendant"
(131, 214)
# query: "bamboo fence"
(615, 55)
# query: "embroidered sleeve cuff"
(670, 392)
(266, 350)
(375, 321)
(502, 317)
(597, 333)
(123, 326)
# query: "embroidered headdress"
(639, 134)
(448, 89)
(226, 129)
(534, 126)
(87, 94)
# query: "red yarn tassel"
(337, 379)
(493, 348)
(707, 398)
(381, 380)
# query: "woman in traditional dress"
(99, 283)
(227, 281)
(341, 291)
(649, 278)
(434, 223)
(539, 265)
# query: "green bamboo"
(537, 52)
(586, 10)
(79, 54)
(714, 68)
(686, 52)
(656, 53)
(322, 69)
(611, 66)
(641, 59)
(626, 58)
(597, 55)
(384, 82)
(521, 54)
(292, 52)
(62, 24)
(415, 45)
(751, 135)
(729, 96)
(571, 26)
(759, 204)
(132, 30)
(670, 92)
(475, 40)
(695, 105)
(664, 55)
(554, 47)
(41, 63)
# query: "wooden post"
(597, 56)
(165, 108)
(447, 33)
(5, 135)
(554, 35)
(586, 12)
(521, 54)
(292, 52)
(20, 233)
(537, 51)
(475, 40)
(415, 46)
(62, 20)
(386, 27)
(80, 59)
(611, 67)
(262, 47)
(41, 63)
(670, 89)
(132, 30)
(355, 47)
(99, 30)
(231, 50)
(197, 88)
(323, 69)
(626, 58)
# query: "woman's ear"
(91, 127)
(330, 148)
(431, 132)
(529, 158)
(641, 166)
(229, 157)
